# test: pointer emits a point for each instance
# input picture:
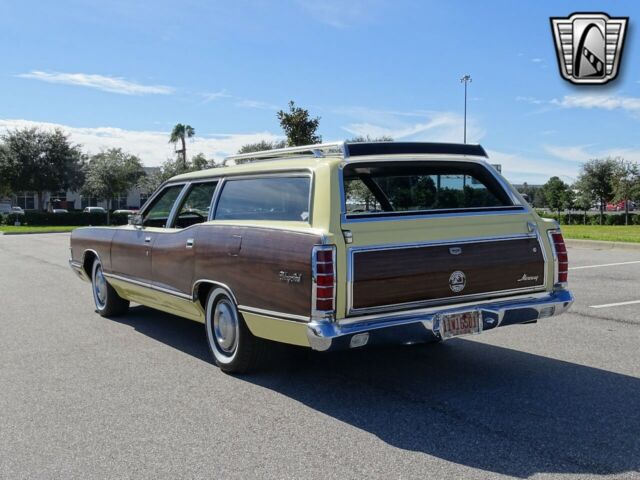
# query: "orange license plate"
(456, 324)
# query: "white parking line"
(615, 304)
(604, 265)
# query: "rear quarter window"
(268, 198)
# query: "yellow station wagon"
(333, 246)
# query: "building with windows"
(71, 200)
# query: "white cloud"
(151, 146)
(427, 126)
(99, 82)
(213, 96)
(532, 100)
(246, 103)
(518, 168)
(537, 60)
(584, 153)
(605, 102)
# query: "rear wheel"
(234, 348)
(108, 302)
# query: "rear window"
(414, 187)
(268, 198)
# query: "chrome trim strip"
(429, 215)
(148, 285)
(321, 335)
(352, 251)
(194, 293)
(436, 309)
(271, 313)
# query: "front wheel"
(108, 302)
(233, 346)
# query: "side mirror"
(135, 220)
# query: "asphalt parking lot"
(87, 397)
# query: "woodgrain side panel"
(405, 275)
(252, 271)
(97, 239)
(172, 262)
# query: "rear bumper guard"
(423, 325)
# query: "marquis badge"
(589, 46)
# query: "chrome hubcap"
(100, 287)
(225, 326)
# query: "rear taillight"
(324, 281)
(561, 257)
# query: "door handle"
(147, 239)
(189, 242)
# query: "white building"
(70, 200)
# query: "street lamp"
(466, 80)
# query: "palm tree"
(180, 133)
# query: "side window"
(268, 198)
(157, 215)
(196, 205)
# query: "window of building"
(88, 202)
(26, 200)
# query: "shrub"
(37, 218)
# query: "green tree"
(298, 126)
(368, 139)
(626, 184)
(112, 173)
(582, 201)
(261, 146)
(5, 188)
(555, 191)
(596, 181)
(36, 160)
(180, 133)
(200, 162)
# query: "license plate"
(456, 324)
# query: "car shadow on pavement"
(486, 407)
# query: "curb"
(601, 245)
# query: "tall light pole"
(466, 80)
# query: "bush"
(577, 218)
(37, 218)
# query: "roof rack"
(320, 150)
(346, 150)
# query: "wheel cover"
(100, 288)
(225, 326)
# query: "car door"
(172, 261)
(131, 249)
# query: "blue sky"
(122, 73)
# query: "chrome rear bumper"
(423, 325)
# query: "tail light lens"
(324, 281)
(560, 254)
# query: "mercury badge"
(457, 281)
(589, 46)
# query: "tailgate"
(441, 272)
(435, 232)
